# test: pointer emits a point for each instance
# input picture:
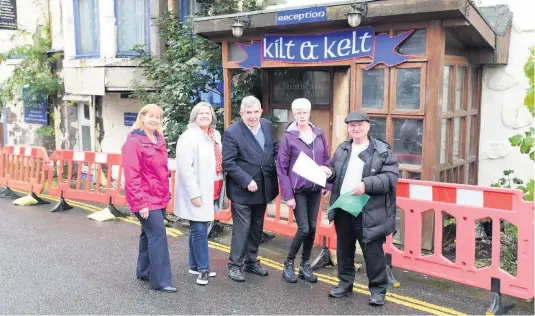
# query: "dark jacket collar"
(375, 145)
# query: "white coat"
(195, 175)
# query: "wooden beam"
(455, 23)
(477, 21)
(227, 82)
(380, 11)
(433, 99)
(481, 56)
(503, 43)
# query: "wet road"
(63, 263)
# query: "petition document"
(308, 169)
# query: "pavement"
(63, 263)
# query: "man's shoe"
(202, 279)
(256, 269)
(288, 274)
(236, 275)
(339, 291)
(377, 300)
(211, 274)
(305, 273)
(168, 289)
(144, 279)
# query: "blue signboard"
(298, 16)
(129, 118)
(325, 48)
(35, 112)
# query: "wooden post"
(227, 82)
(432, 121)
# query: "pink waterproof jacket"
(145, 171)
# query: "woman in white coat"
(199, 184)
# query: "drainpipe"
(92, 124)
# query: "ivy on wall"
(35, 74)
(190, 67)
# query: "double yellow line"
(358, 288)
(327, 279)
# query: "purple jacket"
(290, 148)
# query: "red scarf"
(218, 153)
(218, 183)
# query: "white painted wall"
(502, 108)
(113, 109)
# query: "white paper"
(308, 169)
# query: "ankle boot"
(288, 274)
(305, 273)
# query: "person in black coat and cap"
(364, 165)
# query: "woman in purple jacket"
(301, 195)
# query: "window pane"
(408, 89)
(378, 128)
(446, 89)
(132, 24)
(474, 88)
(443, 139)
(86, 138)
(88, 27)
(459, 88)
(373, 88)
(408, 140)
(469, 134)
(456, 137)
(415, 175)
(235, 53)
(290, 84)
(414, 44)
(86, 112)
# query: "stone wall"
(503, 113)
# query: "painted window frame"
(184, 5)
(96, 50)
(126, 54)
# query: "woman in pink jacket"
(144, 156)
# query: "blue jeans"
(153, 258)
(199, 257)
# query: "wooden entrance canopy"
(457, 39)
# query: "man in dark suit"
(249, 151)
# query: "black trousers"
(153, 259)
(349, 230)
(306, 215)
(247, 226)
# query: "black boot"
(288, 274)
(305, 273)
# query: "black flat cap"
(357, 116)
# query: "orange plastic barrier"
(325, 233)
(23, 168)
(468, 204)
(87, 184)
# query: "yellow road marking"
(359, 288)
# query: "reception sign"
(325, 48)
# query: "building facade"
(476, 104)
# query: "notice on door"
(8, 14)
